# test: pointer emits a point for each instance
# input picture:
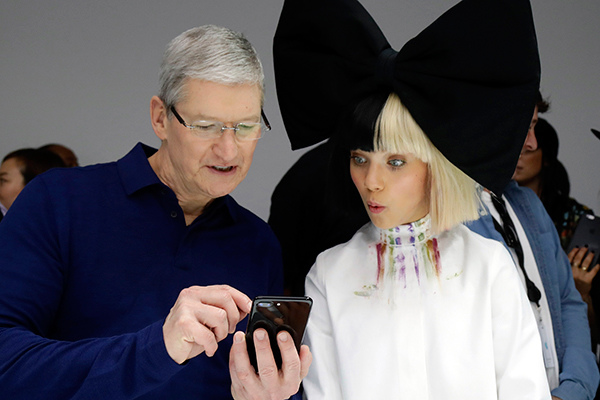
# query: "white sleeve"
(520, 371)
(322, 381)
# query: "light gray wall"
(82, 73)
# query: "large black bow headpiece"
(469, 79)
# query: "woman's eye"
(358, 160)
(396, 163)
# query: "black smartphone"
(276, 314)
(587, 233)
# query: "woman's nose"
(374, 180)
(530, 141)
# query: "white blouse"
(399, 314)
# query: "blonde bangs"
(395, 118)
(454, 196)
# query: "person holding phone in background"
(125, 280)
(520, 221)
(540, 170)
(415, 305)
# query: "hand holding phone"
(275, 314)
(587, 235)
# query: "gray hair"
(210, 53)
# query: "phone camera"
(265, 304)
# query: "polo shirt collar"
(135, 170)
(136, 174)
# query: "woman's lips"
(374, 207)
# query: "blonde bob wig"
(454, 197)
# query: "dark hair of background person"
(542, 104)
(553, 175)
(35, 161)
(67, 155)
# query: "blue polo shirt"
(92, 259)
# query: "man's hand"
(269, 383)
(202, 317)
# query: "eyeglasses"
(244, 131)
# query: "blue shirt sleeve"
(117, 367)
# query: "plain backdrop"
(82, 73)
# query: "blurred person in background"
(520, 220)
(541, 171)
(19, 167)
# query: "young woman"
(415, 305)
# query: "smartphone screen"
(276, 314)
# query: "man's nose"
(226, 147)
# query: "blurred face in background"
(529, 165)
(11, 181)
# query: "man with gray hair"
(125, 280)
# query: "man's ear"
(158, 116)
